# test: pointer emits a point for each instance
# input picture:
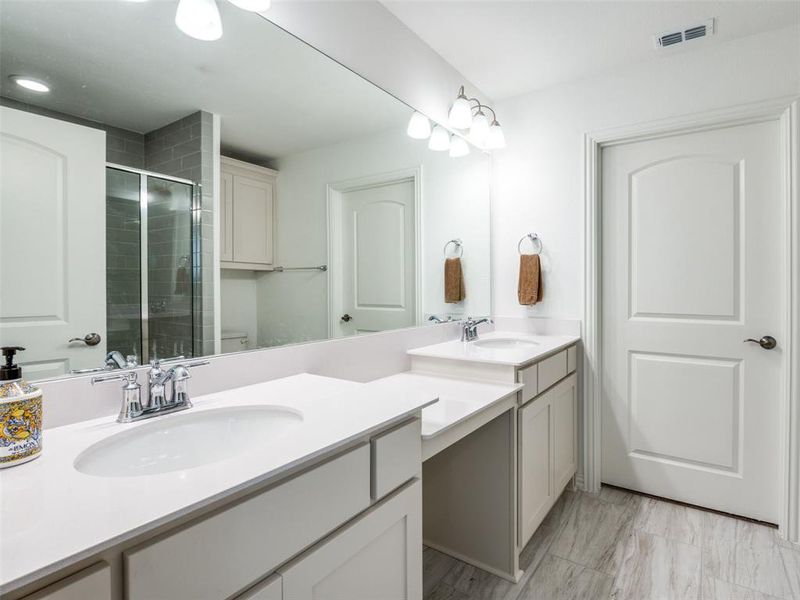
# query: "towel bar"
(536, 241)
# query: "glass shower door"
(149, 268)
(168, 328)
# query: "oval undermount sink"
(187, 440)
(505, 344)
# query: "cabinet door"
(226, 217)
(253, 201)
(564, 398)
(535, 464)
(93, 582)
(269, 589)
(377, 556)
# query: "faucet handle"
(131, 394)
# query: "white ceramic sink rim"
(187, 440)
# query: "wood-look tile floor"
(623, 546)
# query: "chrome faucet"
(113, 361)
(469, 328)
(437, 320)
(158, 402)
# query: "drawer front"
(572, 358)
(269, 589)
(396, 457)
(223, 554)
(529, 378)
(552, 370)
(93, 582)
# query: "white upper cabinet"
(247, 215)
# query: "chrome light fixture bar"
(482, 132)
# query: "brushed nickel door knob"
(767, 342)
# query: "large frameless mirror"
(162, 196)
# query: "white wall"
(371, 41)
(238, 303)
(537, 182)
(292, 306)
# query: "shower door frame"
(195, 253)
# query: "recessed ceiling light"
(33, 85)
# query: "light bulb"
(458, 147)
(252, 5)
(419, 127)
(479, 129)
(460, 115)
(495, 139)
(199, 19)
(33, 85)
(440, 139)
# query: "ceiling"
(126, 64)
(508, 48)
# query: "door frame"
(335, 192)
(786, 111)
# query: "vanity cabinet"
(377, 556)
(547, 452)
(93, 582)
(247, 215)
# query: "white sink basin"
(187, 440)
(504, 344)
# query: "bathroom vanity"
(330, 500)
(496, 464)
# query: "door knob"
(90, 339)
(767, 342)
(346, 318)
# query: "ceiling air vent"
(693, 32)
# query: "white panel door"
(52, 241)
(378, 258)
(693, 263)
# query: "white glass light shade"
(28, 83)
(252, 5)
(458, 147)
(479, 129)
(495, 139)
(199, 19)
(419, 127)
(440, 139)
(460, 116)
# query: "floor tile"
(435, 565)
(672, 521)
(619, 496)
(594, 535)
(442, 591)
(716, 589)
(559, 579)
(655, 568)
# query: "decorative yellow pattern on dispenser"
(20, 428)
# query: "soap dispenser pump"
(20, 413)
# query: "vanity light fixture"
(458, 147)
(419, 127)
(34, 85)
(199, 19)
(468, 114)
(440, 139)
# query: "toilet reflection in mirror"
(177, 200)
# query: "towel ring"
(535, 240)
(459, 247)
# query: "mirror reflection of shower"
(152, 264)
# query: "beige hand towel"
(453, 281)
(529, 289)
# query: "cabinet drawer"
(93, 582)
(230, 550)
(529, 378)
(396, 457)
(572, 358)
(551, 370)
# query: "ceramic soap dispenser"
(20, 414)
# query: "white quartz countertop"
(538, 347)
(459, 399)
(54, 515)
